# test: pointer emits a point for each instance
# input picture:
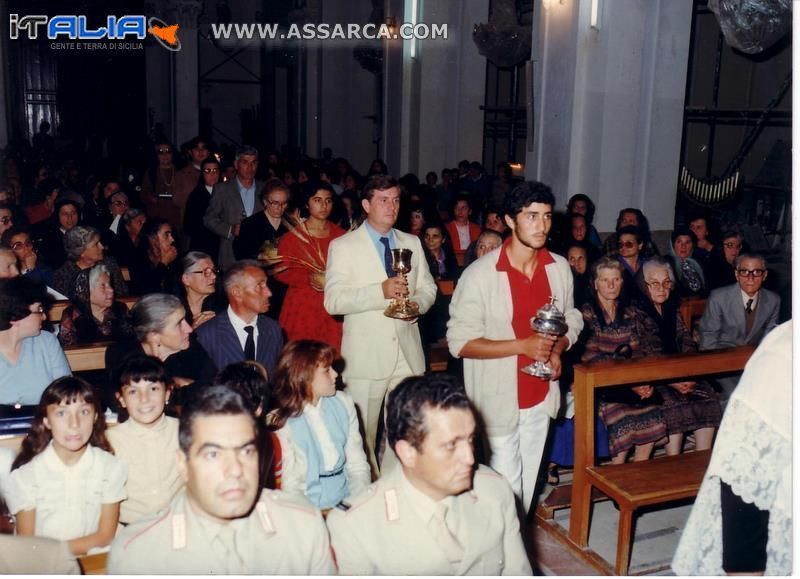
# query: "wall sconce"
(594, 14)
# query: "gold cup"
(401, 308)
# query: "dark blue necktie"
(249, 344)
(387, 257)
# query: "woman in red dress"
(304, 253)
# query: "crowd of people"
(258, 353)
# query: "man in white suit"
(378, 351)
(490, 328)
(436, 514)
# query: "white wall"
(609, 104)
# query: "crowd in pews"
(248, 299)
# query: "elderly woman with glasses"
(29, 358)
(615, 330)
(687, 406)
(85, 250)
(93, 315)
(198, 288)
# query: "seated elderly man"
(436, 514)
(219, 524)
(242, 332)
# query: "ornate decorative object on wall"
(505, 39)
(752, 26)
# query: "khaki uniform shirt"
(281, 536)
(25, 555)
(386, 532)
(150, 453)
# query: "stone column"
(186, 99)
(608, 103)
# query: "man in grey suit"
(741, 313)
(242, 332)
(437, 514)
(233, 201)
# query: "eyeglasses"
(751, 272)
(207, 272)
(733, 245)
(277, 203)
(210, 170)
(5, 220)
(164, 150)
(657, 285)
(17, 245)
(627, 244)
(38, 311)
(120, 203)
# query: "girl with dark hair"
(322, 451)
(67, 215)
(65, 483)
(304, 254)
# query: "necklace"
(164, 177)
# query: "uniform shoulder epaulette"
(160, 517)
(355, 502)
(286, 500)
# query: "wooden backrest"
(58, 307)
(87, 356)
(691, 309)
(126, 273)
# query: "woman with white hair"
(93, 314)
(85, 250)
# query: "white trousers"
(517, 456)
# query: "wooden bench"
(87, 356)
(58, 307)
(93, 564)
(691, 309)
(633, 485)
(126, 273)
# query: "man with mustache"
(490, 328)
(222, 523)
(438, 513)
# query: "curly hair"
(293, 376)
(526, 193)
(67, 389)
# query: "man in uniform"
(212, 526)
(436, 515)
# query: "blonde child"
(148, 440)
(65, 484)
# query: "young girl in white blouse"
(147, 441)
(322, 452)
(65, 484)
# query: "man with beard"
(490, 328)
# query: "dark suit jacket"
(723, 323)
(200, 237)
(219, 339)
(225, 209)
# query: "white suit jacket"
(482, 308)
(371, 341)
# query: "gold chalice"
(402, 308)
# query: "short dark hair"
(141, 367)
(311, 187)
(377, 183)
(526, 193)
(683, 230)
(631, 230)
(17, 295)
(250, 380)
(407, 405)
(215, 400)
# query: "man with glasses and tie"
(439, 513)
(222, 523)
(242, 332)
(741, 313)
(379, 351)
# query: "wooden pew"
(58, 307)
(633, 485)
(87, 356)
(691, 309)
(93, 564)
(126, 273)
